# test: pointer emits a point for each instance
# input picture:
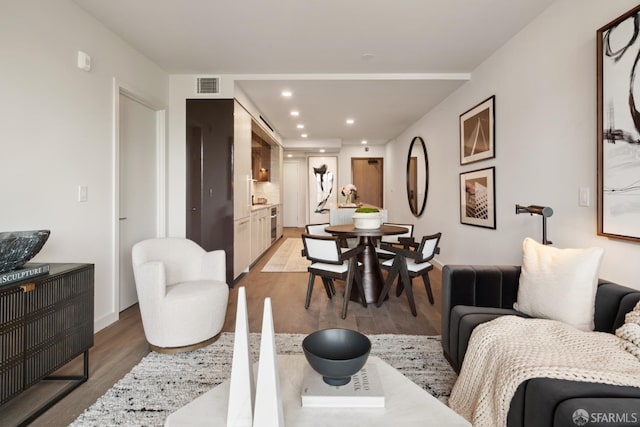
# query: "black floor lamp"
(544, 211)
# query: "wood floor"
(122, 345)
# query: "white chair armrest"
(214, 266)
(151, 283)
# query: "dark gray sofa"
(472, 295)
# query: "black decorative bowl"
(336, 354)
(18, 247)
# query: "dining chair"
(318, 230)
(330, 263)
(395, 240)
(409, 264)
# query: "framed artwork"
(477, 132)
(477, 198)
(618, 50)
(323, 194)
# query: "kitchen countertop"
(257, 207)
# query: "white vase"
(367, 221)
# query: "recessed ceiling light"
(350, 121)
(304, 135)
(300, 126)
(322, 150)
(287, 93)
(295, 113)
(363, 142)
(289, 155)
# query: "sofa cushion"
(559, 284)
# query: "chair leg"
(399, 288)
(427, 285)
(347, 290)
(404, 275)
(328, 286)
(387, 283)
(309, 290)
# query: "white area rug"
(161, 384)
(287, 258)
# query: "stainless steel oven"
(274, 224)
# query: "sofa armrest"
(547, 402)
(479, 286)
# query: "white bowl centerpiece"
(367, 218)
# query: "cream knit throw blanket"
(509, 350)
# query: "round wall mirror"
(417, 176)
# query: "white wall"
(544, 80)
(56, 131)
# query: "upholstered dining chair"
(395, 240)
(318, 230)
(181, 292)
(408, 264)
(329, 262)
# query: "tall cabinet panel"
(209, 135)
(242, 189)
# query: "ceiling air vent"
(208, 85)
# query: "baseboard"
(437, 264)
(104, 321)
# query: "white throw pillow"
(559, 284)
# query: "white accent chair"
(329, 262)
(409, 264)
(181, 292)
(394, 239)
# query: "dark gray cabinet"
(209, 138)
(45, 322)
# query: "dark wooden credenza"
(45, 322)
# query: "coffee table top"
(406, 403)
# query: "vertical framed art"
(477, 198)
(323, 195)
(477, 132)
(618, 127)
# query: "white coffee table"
(406, 404)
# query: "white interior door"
(293, 200)
(138, 190)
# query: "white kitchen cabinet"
(260, 232)
(241, 246)
(241, 190)
(241, 162)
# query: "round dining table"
(372, 275)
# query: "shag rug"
(287, 258)
(163, 383)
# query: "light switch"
(584, 197)
(83, 193)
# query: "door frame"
(121, 88)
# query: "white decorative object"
(269, 411)
(242, 386)
(367, 220)
(559, 284)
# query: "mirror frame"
(422, 205)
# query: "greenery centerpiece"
(367, 218)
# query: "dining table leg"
(371, 275)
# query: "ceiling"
(383, 63)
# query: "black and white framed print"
(477, 198)
(618, 51)
(477, 132)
